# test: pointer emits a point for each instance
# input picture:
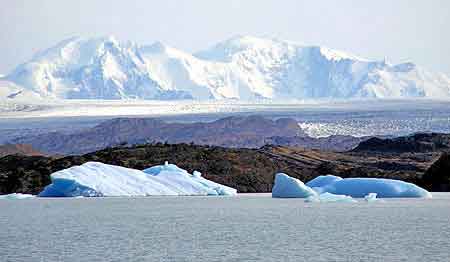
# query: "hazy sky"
(401, 30)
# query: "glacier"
(333, 188)
(242, 67)
(95, 179)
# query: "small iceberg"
(372, 197)
(336, 189)
(16, 196)
(95, 179)
(289, 187)
(328, 197)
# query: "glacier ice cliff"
(94, 179)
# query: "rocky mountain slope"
(242, 67)
(21, 149)
(437, 177)
(234, 132)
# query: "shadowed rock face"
(233, 132)
(422, 142)
(437, 177)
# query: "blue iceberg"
(289, 187)
(322, 181)
(333, 188)
(94, 179)
(361, 187)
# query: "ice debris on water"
(328, 197)
(372, 197)
(17, 196)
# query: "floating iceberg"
(384, 188)
(372, 197)
(328, 197)
(371, 188)
(97, 179)
(16, 196)
(181, 181)
(322, 181)
(289, 187)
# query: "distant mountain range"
(242, 67)
(231, 132)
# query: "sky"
(400, 30)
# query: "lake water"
(243, 228)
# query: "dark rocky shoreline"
(248, 170)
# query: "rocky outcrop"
(437, 177)
(420, 142)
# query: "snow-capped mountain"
(239, 68)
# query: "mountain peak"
(76, 50)
(336, 55)
(225, 50)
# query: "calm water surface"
(244, 228)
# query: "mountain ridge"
(252, 131)
(242, 67)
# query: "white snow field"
(336, 189)
(95, 179)
(243, 67)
